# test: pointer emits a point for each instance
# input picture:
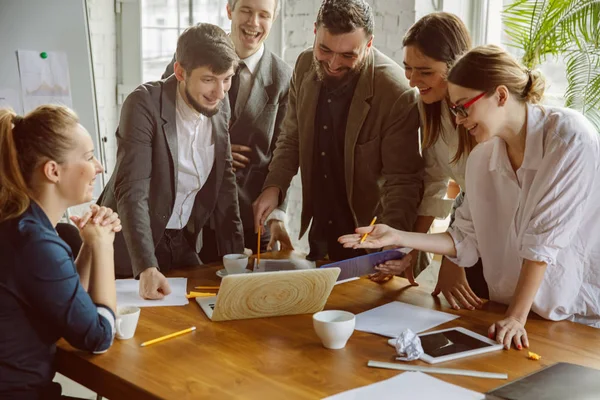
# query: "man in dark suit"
(174, 166)
(258, 99)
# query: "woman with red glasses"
(431, 46)
(532, 210)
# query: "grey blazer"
(142, 188)
(258, 127)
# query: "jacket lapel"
(307, 101)
(219, 123)
(167, 113)
(359, 109)
(258, 97)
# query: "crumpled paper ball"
(408, 346)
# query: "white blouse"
(439, 168)
(549, 211)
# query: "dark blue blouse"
(41, 300)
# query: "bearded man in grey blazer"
(352, 127)
(174, 167)
(258, 100)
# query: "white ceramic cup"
(235, 263)
(334, 327)
(127, 320)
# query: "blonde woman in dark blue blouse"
(47, 164)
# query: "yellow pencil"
(258, 247)
(207, 287)
(172, 335)
(364, 236)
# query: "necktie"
(235, 87)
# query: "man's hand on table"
(153, 284)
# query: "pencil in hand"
(364, 236)
(258, 246)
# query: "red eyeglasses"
(462, 109)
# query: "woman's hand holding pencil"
(371, 237)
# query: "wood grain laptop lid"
(271, 294)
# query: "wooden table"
(282, 358)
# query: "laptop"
(270, 294)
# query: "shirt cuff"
(466, 250)
(107, 314)
(277, 214)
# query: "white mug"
(334, 327)
(127, 320)
(235, 263)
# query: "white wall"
(104, 55)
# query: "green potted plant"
(569, 29)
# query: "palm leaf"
(532, 26)
(583, 77)
(543, 28)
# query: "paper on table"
(392, 318)
(128, 294)
(365, 265)
(409, 386)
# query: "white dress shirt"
(439, 168)
(196, 157)
(549, 211)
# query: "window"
(553, 68)
(162, 23)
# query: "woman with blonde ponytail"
(47, 164)
(531, 210)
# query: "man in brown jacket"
(352, 128)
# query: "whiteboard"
(52, 25)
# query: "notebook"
(270, 294)
(365, 265)
(561, 381)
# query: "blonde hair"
(486, 67)
(443, 37)
(26, 142)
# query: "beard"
(209, 112)
(336, 82)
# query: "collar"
(183, 109)
(534, 143)
(252, 61)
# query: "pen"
(258, 247)
(362, 239)
(172, 335)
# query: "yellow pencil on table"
(207, 287)
(172, 335)
(193, 295)
(364, 236)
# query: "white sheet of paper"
(9, 98)
(128, 294)
(44, 80)
(392, 318)
(409, 386)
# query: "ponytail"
(14, 194)
(25, 143)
